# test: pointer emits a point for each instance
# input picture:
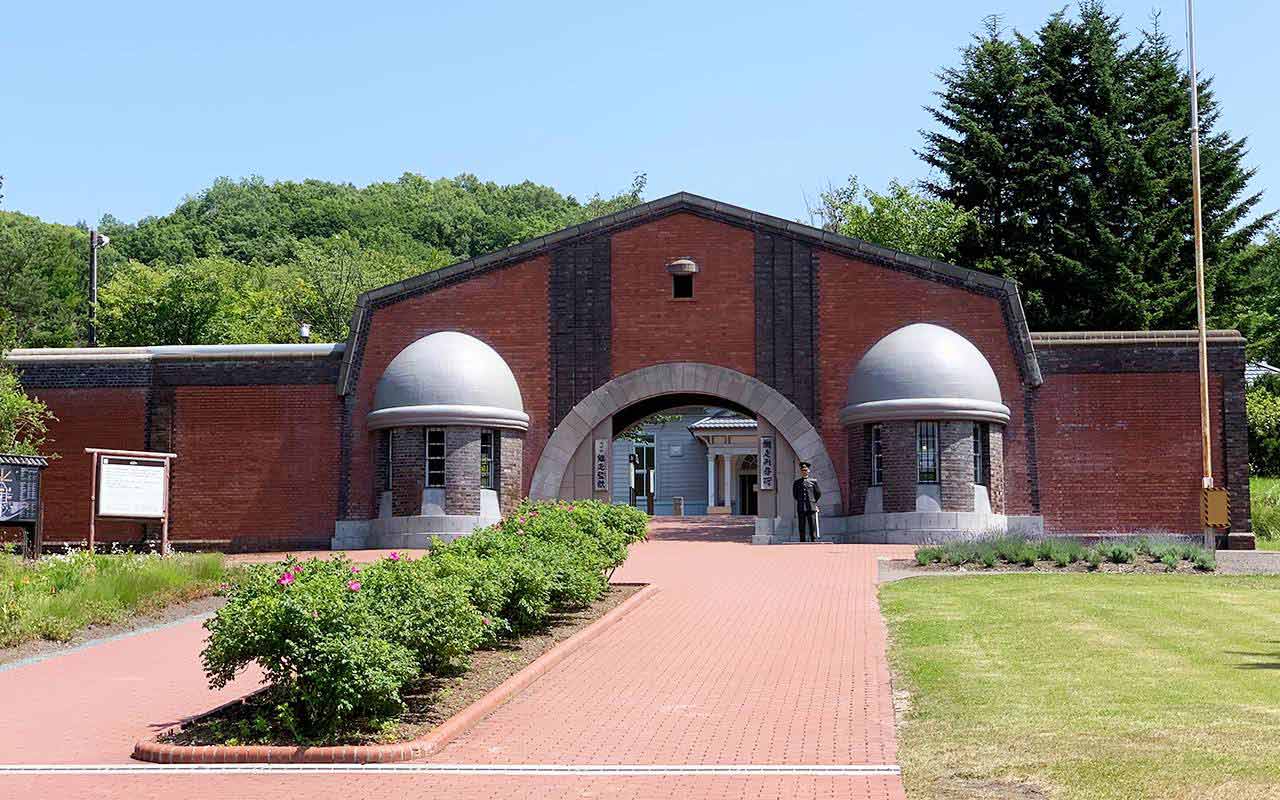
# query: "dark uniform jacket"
(807, 494)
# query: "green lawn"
(1088, 686)
(1264, 496)
(57, 596)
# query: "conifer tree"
(1072, 147)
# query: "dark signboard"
(19, 493)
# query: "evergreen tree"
(1073, 150)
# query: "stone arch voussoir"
(683, 378)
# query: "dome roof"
(448, 378)
(923, 371)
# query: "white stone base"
(915, 527)
(407, 532)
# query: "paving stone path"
(757, 657)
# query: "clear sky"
(126, 107)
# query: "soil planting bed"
(1142, 564)
(429, 702)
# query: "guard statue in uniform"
(807, 494)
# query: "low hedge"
(988, 552)
(338, 641)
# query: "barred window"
(435, 458)
(981, 453)
(489, 444)
(877, 462)
(927, 452)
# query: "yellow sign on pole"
(1215, 508)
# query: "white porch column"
(711, 479)
(728, 488)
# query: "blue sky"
(127, 107)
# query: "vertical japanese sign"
(600, 467)
(766, 464)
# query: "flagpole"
(1206, 452)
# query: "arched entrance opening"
(578, 459)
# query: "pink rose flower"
(394, 556)
(296, 569)
(354, 570)
(354, 586)
(286, 579)
(484, 620)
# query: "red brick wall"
(257, 464)
(506, 309)
(108, 418)
(859, 303)
(716, 327)
(1121, 452)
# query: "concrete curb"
(161, 753)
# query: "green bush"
(1205, 561)
(1094, 557)
(1118, 553)
(1264, 502)
(321, 641)
(338, 641)
(1170, 560)
(928, 555)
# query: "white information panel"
(130, 487)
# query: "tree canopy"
(247, 260)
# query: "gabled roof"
(973, 280)
(724, 419)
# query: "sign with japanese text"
(600, 467)
(767, 466)
(19, 493)
(132, 488)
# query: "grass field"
(57, 596)
(1088, 686)
(1264, 496)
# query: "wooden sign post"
(131, 485)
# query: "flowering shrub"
(338, 641)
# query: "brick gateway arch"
(916, 388)
(570, 444)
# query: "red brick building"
(915, 388)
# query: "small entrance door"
(747, 494)
(642, 473)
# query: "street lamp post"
(96, 242)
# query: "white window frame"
(928, 433)
(877, 455)
(429, 459)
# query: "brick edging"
(161, 753)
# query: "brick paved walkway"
(747, 655)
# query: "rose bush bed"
(338, 641)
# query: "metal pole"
(93, 499)
(93, 288)
(164, 524)
(1206, 450)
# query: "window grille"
(435, 458)
(927, 452)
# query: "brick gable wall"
(716, 327)
(506, 308)
(860, 302)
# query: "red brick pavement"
(747, 655)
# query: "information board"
(19, 493)
(131, 487)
